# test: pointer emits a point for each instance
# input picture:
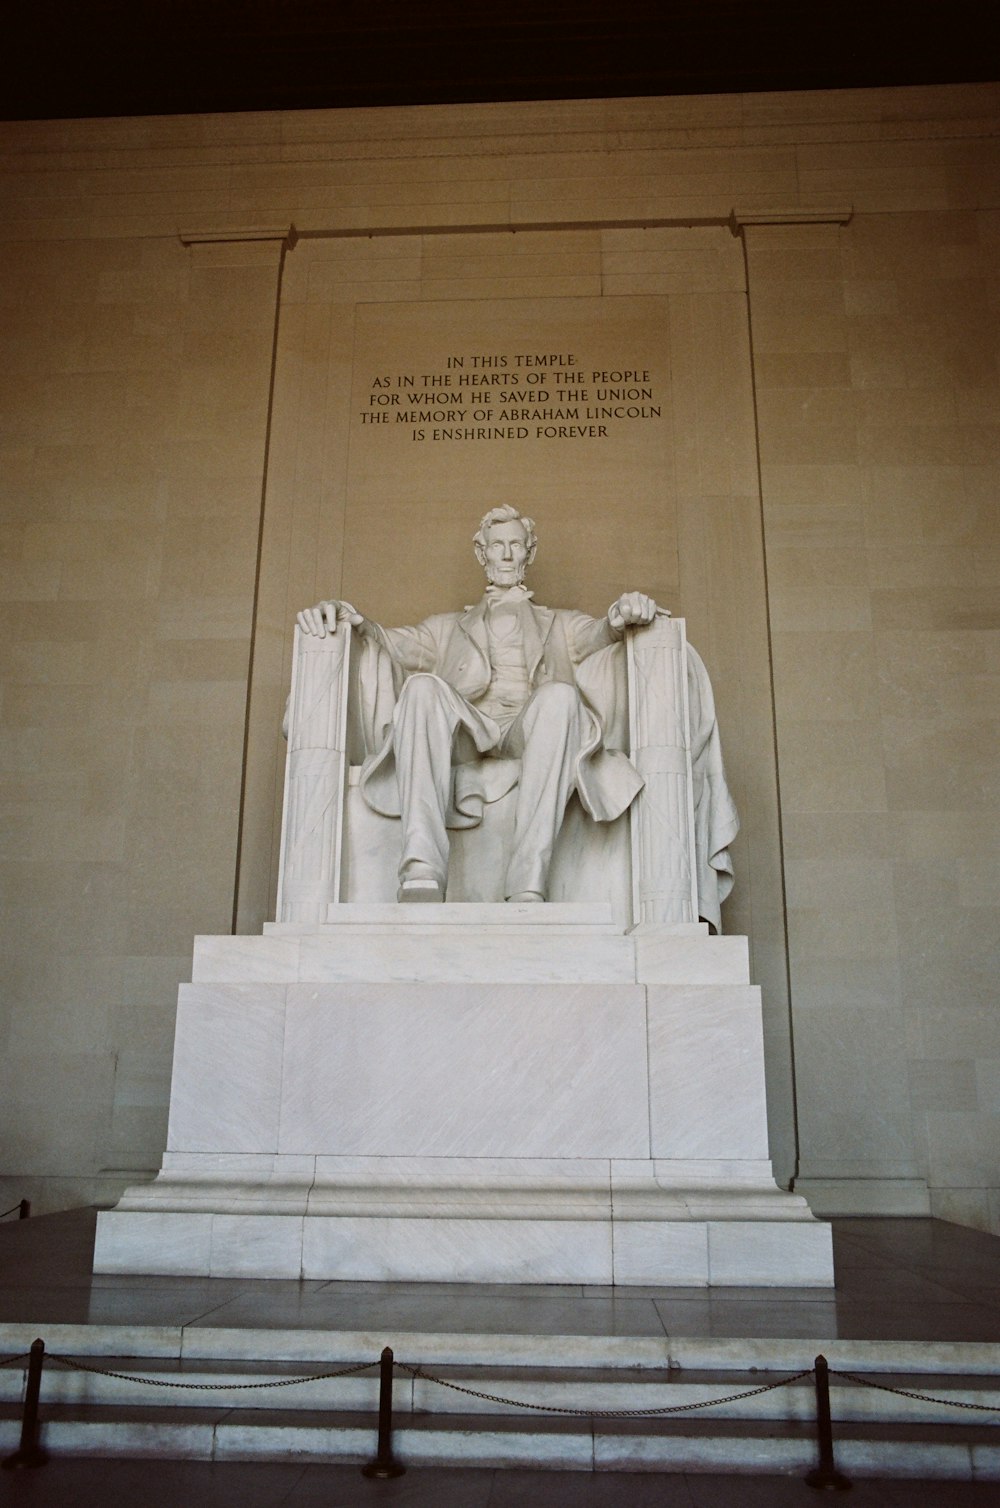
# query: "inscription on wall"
(561, 405)
(518, 395)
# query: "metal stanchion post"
(24, 1209)
(385, 1463)
(825, 1473)
(29, 1452)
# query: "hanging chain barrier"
(74, 1364)
(384, 1465)
(884, 1387)
(824, 1475)
(30, 1450)
(552, 1408)
(23, 1209)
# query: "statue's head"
(505, 545)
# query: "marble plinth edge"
(455, 1249)
(468, 1220)
(689, 1254)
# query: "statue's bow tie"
(513, 594)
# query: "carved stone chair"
(335, 850)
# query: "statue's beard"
(499, 574)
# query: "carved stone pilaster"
(664, 877)
(315, 777)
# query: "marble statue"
(449, 704)
(585, 1076)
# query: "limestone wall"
(187, 304)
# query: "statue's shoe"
(525, 895)
(420, 890)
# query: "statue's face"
(506, 554)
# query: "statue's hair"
(505, 514)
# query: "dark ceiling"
(65, 58)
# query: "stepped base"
(470, 1093)
(503, 1229)
(478, 942)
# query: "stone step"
(507, 918)
(317, 1350)
(490, 1391)
(876, 1432)
(679, 1444)
(405, 951)
(410, 956)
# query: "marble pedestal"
(469, 1093)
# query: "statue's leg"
(548, 735)
(426, 718)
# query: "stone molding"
(286, 234)
(794, 215)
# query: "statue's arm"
(588, 635)
(412, 648)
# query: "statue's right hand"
(323, 618)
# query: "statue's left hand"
(324, 617)
(634, 607)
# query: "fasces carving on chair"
(510, 699)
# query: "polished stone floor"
(184, 1484)
(895, 1280)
